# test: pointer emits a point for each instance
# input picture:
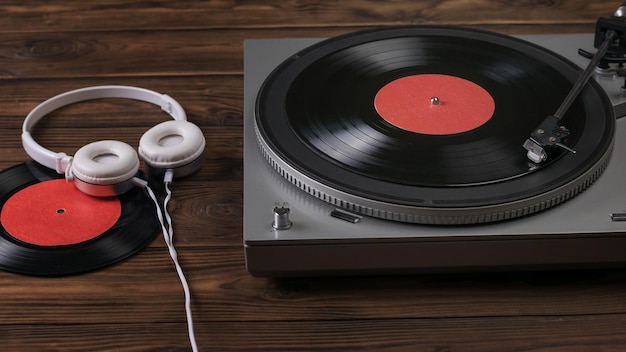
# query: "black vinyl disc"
(135, 227)
(318, 125)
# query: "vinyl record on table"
(49, 228)
(335, 119)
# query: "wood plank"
(115, 15)
(224, 141)
(145, 288)
(117, 55)
(207, 100)
(525, 333)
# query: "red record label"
(55, 213)
(434, 104)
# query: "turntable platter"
(323, 121)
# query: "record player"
(315, 204)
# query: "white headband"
(60, 161)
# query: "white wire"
(168, 236)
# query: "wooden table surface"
(193, 51)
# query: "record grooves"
(135, 227)
(316, 123)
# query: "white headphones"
(108, 168)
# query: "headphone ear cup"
(176, 144)
(104, 168)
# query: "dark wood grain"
(193, 51)
(40, 16)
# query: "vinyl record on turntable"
(49, 228)
(426, 125)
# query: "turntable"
(339, 178)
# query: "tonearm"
(610, 42)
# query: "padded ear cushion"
(172, 144)
(105, 163)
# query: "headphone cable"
(168, 236)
